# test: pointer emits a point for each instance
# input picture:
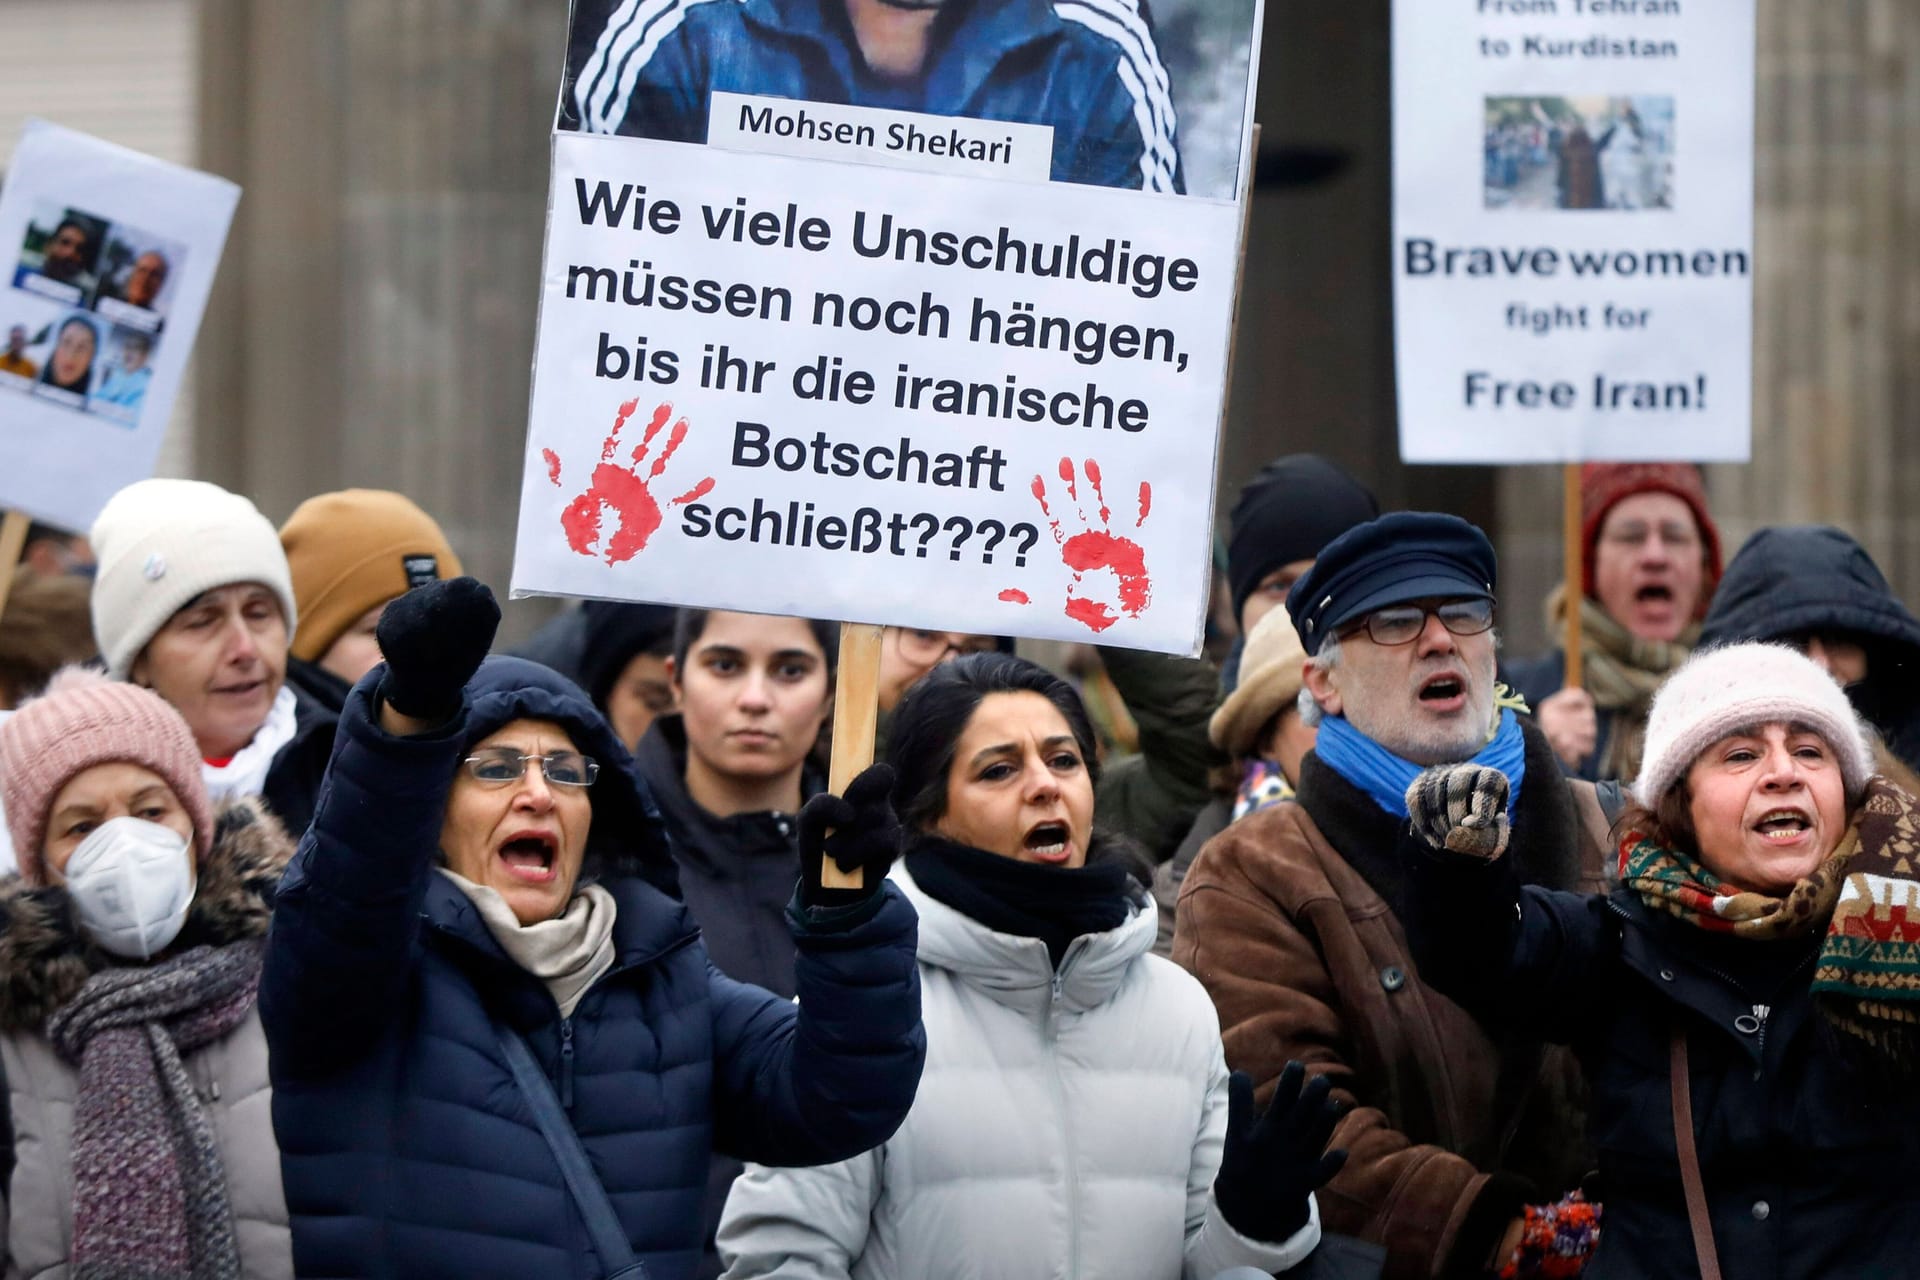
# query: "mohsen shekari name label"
(871, 135)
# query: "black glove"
(433, 639)
(1271, 1164)
(1462, 808)
(865, 836)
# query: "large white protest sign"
(880, 397)
(1573, 229)
(950, 353)
(109, 256)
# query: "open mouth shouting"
(1784, 826)
(530, 856)
(1049, 842)
(1444, 692)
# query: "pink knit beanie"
(82, 720)
(1728, 690)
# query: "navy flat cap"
(1406, 555)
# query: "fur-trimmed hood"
(45, 956)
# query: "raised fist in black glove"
(433, 639)
(857, 829)
(1462, 808)
(1273, 1162)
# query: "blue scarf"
(1386, 777)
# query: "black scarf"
(1053, 904)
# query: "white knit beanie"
(159, 544)
(1723, 691)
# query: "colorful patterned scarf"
(1262, 786)
(1865, 896)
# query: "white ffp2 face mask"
(131, 882)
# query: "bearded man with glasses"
(1460, 1138)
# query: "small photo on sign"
(1579, 152)
(137, 276)
(1112, 93)
(59, 258)
(122, 389)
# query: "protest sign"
(889, 364)
(109, 256)
(1573, 229)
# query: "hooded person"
(1261, 730)
(1292, 917)
(623, 664)
(1649, 563)
(348, 555)
(499, 1046)
(140, 1139)
(1815, 588)
(1745, 1001)
(192, 599)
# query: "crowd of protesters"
(341, 944)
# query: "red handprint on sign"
(622, 490)
(1097, 549)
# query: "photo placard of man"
(1089, 69)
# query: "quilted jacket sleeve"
(835, 1076)
(800, 1224)
(346, 921)
(1213, 1245)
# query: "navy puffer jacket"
(406, 1147)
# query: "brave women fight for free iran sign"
(1573, 229)
(950, 354)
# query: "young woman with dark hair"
(1075, 1116)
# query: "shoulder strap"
(1695, 1189)
(589, 1197)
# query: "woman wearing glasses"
(499, 1048)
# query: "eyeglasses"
(926, 648)
(502, 765)
(1403, 623)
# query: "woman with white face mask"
(141, 1137)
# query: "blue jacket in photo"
(1088, 68)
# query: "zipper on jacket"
(1066, 1118)
(566, 1063)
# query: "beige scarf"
(569, 952)
(1622, 673)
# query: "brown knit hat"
(352, 550)
(1604, 485)
(85, 719)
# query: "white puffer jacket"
(1068, 1125)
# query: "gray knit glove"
(1461, 808)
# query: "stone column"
(373, 325)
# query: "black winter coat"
(406, 1147)
(292, 789)
(1794, 580)
(1807, 1163)
(736, 874)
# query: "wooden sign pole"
(856, 720)
(1574, 568)
(13, 540)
